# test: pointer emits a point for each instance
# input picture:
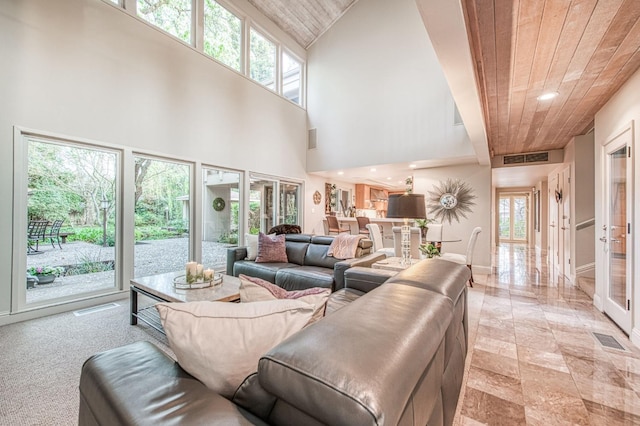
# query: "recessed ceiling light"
(389, 178)
(412, 166)
(547, 96)
(373, 169)
(341, 173)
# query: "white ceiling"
(521, 176)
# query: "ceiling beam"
(445, 24)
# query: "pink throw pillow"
(271, 248)
(254, 289)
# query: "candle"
(208, 274)
(191, 268)
(199, 273)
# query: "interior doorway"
(513, 217)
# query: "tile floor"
(532, 358)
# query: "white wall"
(85, 69)
(621, 110)
(377, 94)
(479, 178)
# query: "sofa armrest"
(340, 267)
(234, 254)
(366, 279)
(138, 384)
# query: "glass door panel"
(513, 217)
(71, 226)
(618, 227)
(221, 203)
(162, 212)
(262, 205)
(289, 203)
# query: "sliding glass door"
(162, 215)
(221, 207)
(71, 222)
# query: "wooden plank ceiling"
(582, 49)
(303, 20)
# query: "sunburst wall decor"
(451, 200)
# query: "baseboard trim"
(587, 267)
(597, 302)
(635, 337)
(481, 270)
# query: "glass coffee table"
(160, 288)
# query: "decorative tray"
(181, 282)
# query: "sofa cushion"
(266, 271)
(271, 249)
(220, 343)
(296, 251)
(304, 277)
(255, 290)
(317, 256)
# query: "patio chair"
(54, 233)
(36, 230)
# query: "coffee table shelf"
(160, 288)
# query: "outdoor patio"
(151, 257)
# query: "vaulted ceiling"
(303, 20)
(583, 50)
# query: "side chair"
(467, 258)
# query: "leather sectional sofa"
(386, 354)
(308, 266)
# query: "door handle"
(563, 228)
(613, 240)
(603, 239)
(552, 226)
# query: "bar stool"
(363, 221)
(334, 226)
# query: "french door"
(513, 217)
(616, 235)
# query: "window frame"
(285, 51)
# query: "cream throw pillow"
(254, 289)
(251, 240)
(220, 343)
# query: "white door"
(565, 221)
(616, 236)
(553, 257)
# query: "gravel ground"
(151, 257)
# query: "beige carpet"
(40, 362)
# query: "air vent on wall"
(313, 143)
(526, 158)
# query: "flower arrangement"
(45, 270)
(429, 250)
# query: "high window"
(262, 60)
(173, 16)
(291, 71)
(222, 34)
(224, 38)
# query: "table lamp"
(406, 206)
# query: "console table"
(161, 289)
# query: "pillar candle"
(208, 274)
(191, 268)
(199, 272)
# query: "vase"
(46, 279)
